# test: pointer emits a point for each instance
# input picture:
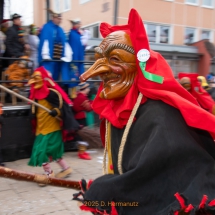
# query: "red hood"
(169, 91)
(48, 83)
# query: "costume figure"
(159, 141)
(48, 145)
(191, 83)
(81, 104)
(75, 41)
(18, 71)
(53, 46)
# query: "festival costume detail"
(50, 131)
(208, 87)
(53, 46)
(157, 137)
(191, 83)
(81, 104)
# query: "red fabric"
(80, 105)
(44, 91)
(203, 202)
(102, 131)
(89, 183)
(5, 20)
(189, 208)
(180, 200)
(201, 95)
(170, 92)
(212, 203)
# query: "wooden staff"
(26, 99)
(37, 178)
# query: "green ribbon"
(151, 77)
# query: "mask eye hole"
(114, 59)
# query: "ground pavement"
(24, 198)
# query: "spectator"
(81, 104)
(75, 41)
(15, 45)
(33, 41)
(18, 71)
(53, 46)
(5, 25)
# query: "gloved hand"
(53, 113)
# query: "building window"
(67, 5)
(94, 30)
(194, 2)
(158, 33)
(206, 35)
(83, 1)
(151, 30)
(189, 35)
(62, 5)
(208, 3)
(57, 6)
(164, 34)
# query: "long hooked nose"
(99, 67)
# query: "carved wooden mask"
(115, 64)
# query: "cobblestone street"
(24, 198)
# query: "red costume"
(201, 95)
(157, 137)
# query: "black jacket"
(162, 156)
(14, 48)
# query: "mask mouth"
(110, 77)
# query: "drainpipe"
(116, 5)
(47, 7)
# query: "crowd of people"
(44, 47)
(51, 49)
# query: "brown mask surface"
(186, 83)
(36, 80)
(115, 64)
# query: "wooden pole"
(26, 99)
(37, 178)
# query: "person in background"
(18, 71)
(81, 104)
(211, 82)
(15, 44)
(5, 25)
(191, 83)
(75, 41)
(1, 123)
(33, 41)
(4, 28)
(53, 46)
